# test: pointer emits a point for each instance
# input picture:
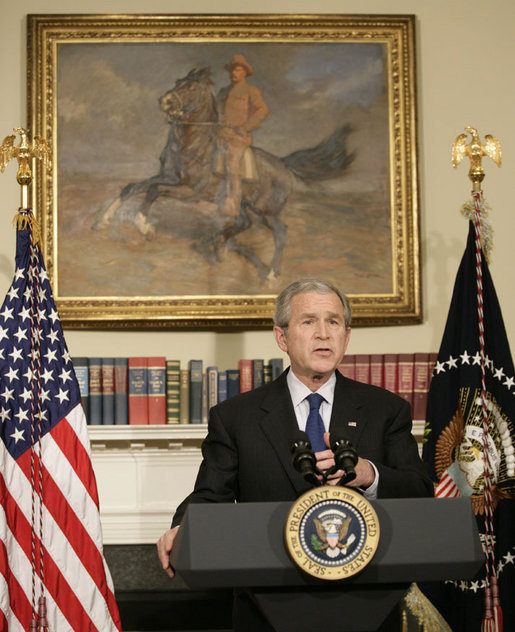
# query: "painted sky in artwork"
(108, 94)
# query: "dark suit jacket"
(247, 450)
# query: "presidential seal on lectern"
(332, 532)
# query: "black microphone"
(303, 458)
(345, 458)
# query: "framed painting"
(201, 163)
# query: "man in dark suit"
(247, 449)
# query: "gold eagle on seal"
(447, 446)
(326, 535)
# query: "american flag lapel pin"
(352, 424)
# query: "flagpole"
(24, 153)
(475, 150)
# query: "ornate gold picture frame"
(150, 216)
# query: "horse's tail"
(327, 160)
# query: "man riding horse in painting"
(242, 110)
(204, 162)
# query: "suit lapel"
(279, 424)
(346, 418)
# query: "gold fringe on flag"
(427, 616)
(486, 231)
(25, 218)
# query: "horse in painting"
(187, 172)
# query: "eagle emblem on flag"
(459, 458)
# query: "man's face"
(316, 338)
(238, 73)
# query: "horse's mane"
(197, 73)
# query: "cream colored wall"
(466, 54)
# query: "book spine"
(184, 398)
(376, 369)
(95, 391)
(267, 373)
(156, 401)
(204, 398)
(121, 391)
(391, 372)
(195, 367)
(420, 385)
(245, 367)
(173, 399)
(362, 369)
(81, 367)
(258, 373)
(212, 386)
(405, 387)
(222, 386)
(138, 391)
(233, 382)
(108, 391)
(348, 366)
(277, 367)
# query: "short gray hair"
(282, 313)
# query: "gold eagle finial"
(475, 150)
(24, 152)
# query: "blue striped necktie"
(314, 425)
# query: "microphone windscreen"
(301, 436)
(303, 459)
(300, 441)
(337, 441)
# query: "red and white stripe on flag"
(446, 487)
(78, 586)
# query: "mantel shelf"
(170, 432)
(159, 435)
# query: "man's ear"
(347, 338)
(280, 338)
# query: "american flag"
(51, 541)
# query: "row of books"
(407, 374)
(155, 390)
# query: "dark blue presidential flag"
(470, 426)
(52, 569)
